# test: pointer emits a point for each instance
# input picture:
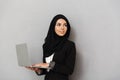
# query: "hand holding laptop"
(34, 69)
(31, 68)
(41, 65)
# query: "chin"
(61, 35)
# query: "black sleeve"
(69, 62)
(44, 71)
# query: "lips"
(62, 32)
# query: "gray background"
(95, 30)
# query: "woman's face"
(61, 27)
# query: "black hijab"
(53, 42)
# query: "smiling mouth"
(62, 32)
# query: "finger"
(34, 64)
(27, 67)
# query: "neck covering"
(53, 42)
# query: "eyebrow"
(60, 23)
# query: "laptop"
(23, 56)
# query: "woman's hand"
(41, 65)
(33, 68)
(29, 67)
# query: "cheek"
(56, 29)
(65, 29)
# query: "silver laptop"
(22, 55)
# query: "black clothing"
(53, 42)
(64, 52)
(64, 62)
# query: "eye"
(65, 25)
(58, 24)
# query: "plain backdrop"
(95, 30)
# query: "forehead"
(61, 21)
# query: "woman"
(58, 52)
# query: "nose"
(62, 27)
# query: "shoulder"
(70, 43)
(70, 48)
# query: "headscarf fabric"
(53, 42)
